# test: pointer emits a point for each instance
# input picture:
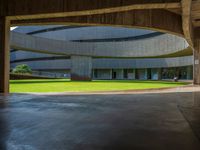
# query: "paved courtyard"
(150, 121)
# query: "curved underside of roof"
(163, 45)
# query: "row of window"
(155, 74)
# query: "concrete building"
(178, 17)
(88, 52)
(123, 121)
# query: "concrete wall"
(19, 55)
(107, 63)
(47, 65)
(156, 46)
(81, 68)
(71, 33)
(48, 40)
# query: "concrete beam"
(196, 74)
(24, 9)
(159, 20)
(4, 55)
(189, 73)
(186, 21)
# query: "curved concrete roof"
(46, 47)
(73, 33)
(163, 44)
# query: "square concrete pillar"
(196, 74)
(189, 73)
(159, 74)
(81, 68)
(4, 55)
(110, 74)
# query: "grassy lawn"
(64, 85)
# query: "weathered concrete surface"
(154, 46)
(157, 14)
(81, 68)
(78, 7)
(4, 55)
(197, 62)
(100, 122)
(150, 19)
(59, 8)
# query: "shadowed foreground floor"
(168, 121)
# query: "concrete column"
(93, 76)
(196, 72)
(4, 55)
(159, 74)
(146, 74)
(81, 68)
(154, 74)
(110, 74)
(189, 72)
(134, 74)
(122, 74)
(177, 72)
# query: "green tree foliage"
(22, 69)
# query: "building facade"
(107, 53)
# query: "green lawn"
(64, 85)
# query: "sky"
(12, 28)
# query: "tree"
(23, 69)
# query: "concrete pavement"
(153, 121)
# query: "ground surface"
(62, 85)
(162, 121)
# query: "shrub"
(22, 69)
